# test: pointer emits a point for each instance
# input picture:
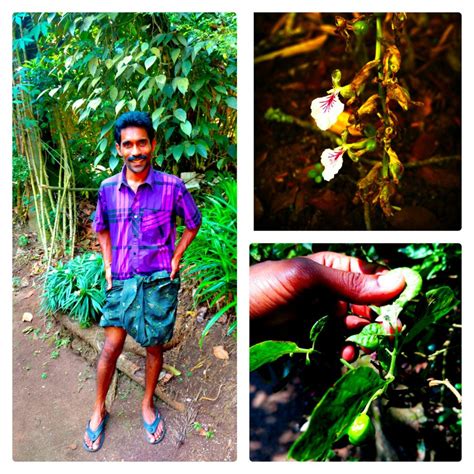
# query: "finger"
(360, 288)
(344, 262)
(109, 282)
(354, 322)
(361, 310)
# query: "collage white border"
(246, 235)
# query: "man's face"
(136, 149)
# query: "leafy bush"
(76, 288)
(212, 257)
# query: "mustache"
(136, 158)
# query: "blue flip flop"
(152, 427)
(94, 435)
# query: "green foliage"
(334, 413)
(76, 288)
(269, 351)
(435, 258)
(179, 67)
(23, 240)
(261, 252)
(212, 257)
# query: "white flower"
(332, 162)
(325, 110)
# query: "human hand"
(274, 284)
(174, 266)
(108, 276)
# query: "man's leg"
(154, 362)
(113, 345)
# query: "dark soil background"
(285, 198)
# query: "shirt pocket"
(156, 227)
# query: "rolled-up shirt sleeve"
(101, 221)
(187, 208)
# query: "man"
(135, 224)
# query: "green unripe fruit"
(361, 429)
(318, 179)
(371, 144)
(361, 27)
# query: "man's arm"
(103, 237)
(183, 244)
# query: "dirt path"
(53, 392)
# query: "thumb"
(363, 289)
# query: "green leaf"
(189, 149)
(102, 145)
(221, 90)
(149, 62)
(77, 104)
(231, 102)
(186, 67)
(157, 113)
(197, 85)
(370, 336)
(92, 65)
(106, 128)
(168, 133)
(175, 55)
(441, 301)
(180, 114)
(186, 128)
(119, 106)
(269, 351)
(193, 102)
(318, 326)
(113, 93)
(132, 104)
(334, 413)
(182, 83)
(201, 149)
(177, 152)
(113, 162)
(144, 47)
(182, 40)
(94, 103)
(160, 81)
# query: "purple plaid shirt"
(142, 225)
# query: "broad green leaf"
(201, 149)
(132, 104)
(144, 47)
(106, 128)
(193, 102)
(186, 67)
(232, 151)
(77, 104)
(221, 90)
(318, 326)
(186, 128)
(180, 114)
(160, 81)
(335, 412)
(143, 83)
(109, 63)
(269, 351)
(175, 55)
(98, 158)
(157, 113)
(102, 145)
(113, 93)
(231, 102)
(182, 40)
(92, 64)
(370, 336)
(197, 85)
(94, 103)
(441, 301)
(182, 83)
(149, 62)
(113, 162)
(168, 133)
(119, 106)
(83, 81)
(145, 95)
(189, 149)
(177, 152)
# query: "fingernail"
(390, 279)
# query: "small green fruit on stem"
(361, 429)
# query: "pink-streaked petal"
(332, 162)
(325, 110)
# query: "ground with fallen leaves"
(54, 386)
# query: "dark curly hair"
(134, 119)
